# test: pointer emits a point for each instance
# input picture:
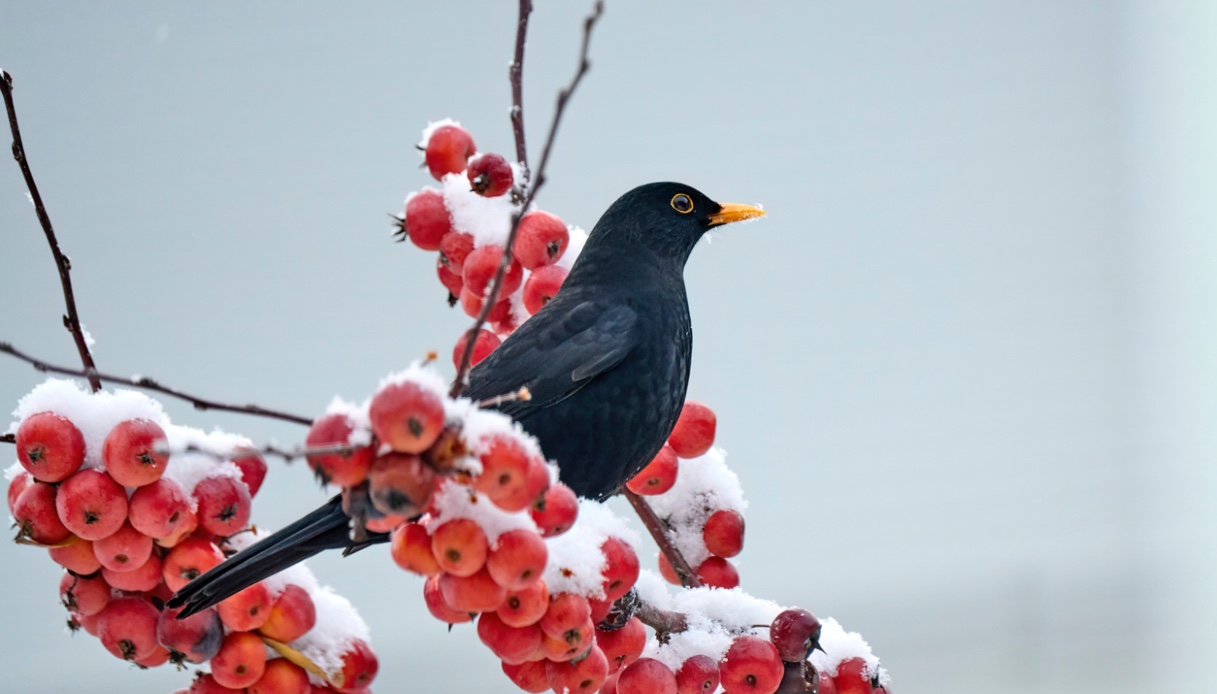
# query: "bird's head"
(664, 220)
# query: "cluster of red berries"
(468, 222)
(131, 524)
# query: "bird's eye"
(682, 203)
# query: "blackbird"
(606, 362)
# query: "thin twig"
(8, 438)
(659, 532)
(515, 75)
(462, 373)
(71, 321)
(149, 384)
(522, 394)
(270, 449)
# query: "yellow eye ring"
(682, 203)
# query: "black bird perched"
(606, 362)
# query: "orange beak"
(733, 212)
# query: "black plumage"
(606, 361)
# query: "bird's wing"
(556, 354)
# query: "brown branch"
(287, 454)
(515, 75)
(149, 384)
(71, 321)
(662, 621)
(462, 373)
(8, 438)
(659, 532)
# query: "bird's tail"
(325, 528)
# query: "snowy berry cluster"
(688, 485)
(468, 222)
(131, 523)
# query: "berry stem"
(71, 321)
(149, 384)
(659, 533)
(492, 297)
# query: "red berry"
(36, 517)
(483, 345)
(795, 632)
(206, 684)
(127, 628)
(223, 504)
(253, 471)
(411, 549)
(183, 531)
(623, 646)
(159, 508)
(434, 599)
(750, 666)
(483, 264)
(240, 661)
(528, 676)
(541, 239)
(658, 476)
(282, 676)
(476, 593)
(582, 677)
(556, 510)
(131, 452)
(724, 533)
(666, 570)
(542, 285)
(125, 549)
(247, 609)
(91, 504)
(510, 644)
(197, 637)
(852, 677)
(697, 675)
(518, 558)
(525, 606)
(84, 596)
(460, 546)
(716, 572)
(292, 615)
(19, 483)
(694, 432)
(472, 305)
(620, 568)
(453, 249)
(451, 280)
(535, 483)
(359, 667)
(406, 416)
(76, 556)
(190, 559)
(49, 446)
(826, 685)
(427, 219)
(141, 579)
(646, 676)
(489, 175)
(447, 151)
(346, 469)
(401, 484)
(504, 467)
(567, 612)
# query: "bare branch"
(516, 76)
(462, 373)
(659, 532)
(71, 321)
(8, 438)
(662, 621)
(149, 384)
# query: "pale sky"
(964, 370)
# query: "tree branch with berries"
(136, 507)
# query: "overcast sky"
(964, 369)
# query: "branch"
(662, 621)
(149, 384)
(516, 75)
(462, 374)
(8, 438)
(72, 320)
(658, 531)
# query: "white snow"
(703, 485)
(575, 560)
(454, 500)
(487, 220)
(338, 626)
(421, 374)
(578, 238)
(840, 645)
(432, 126)
(361, 431)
